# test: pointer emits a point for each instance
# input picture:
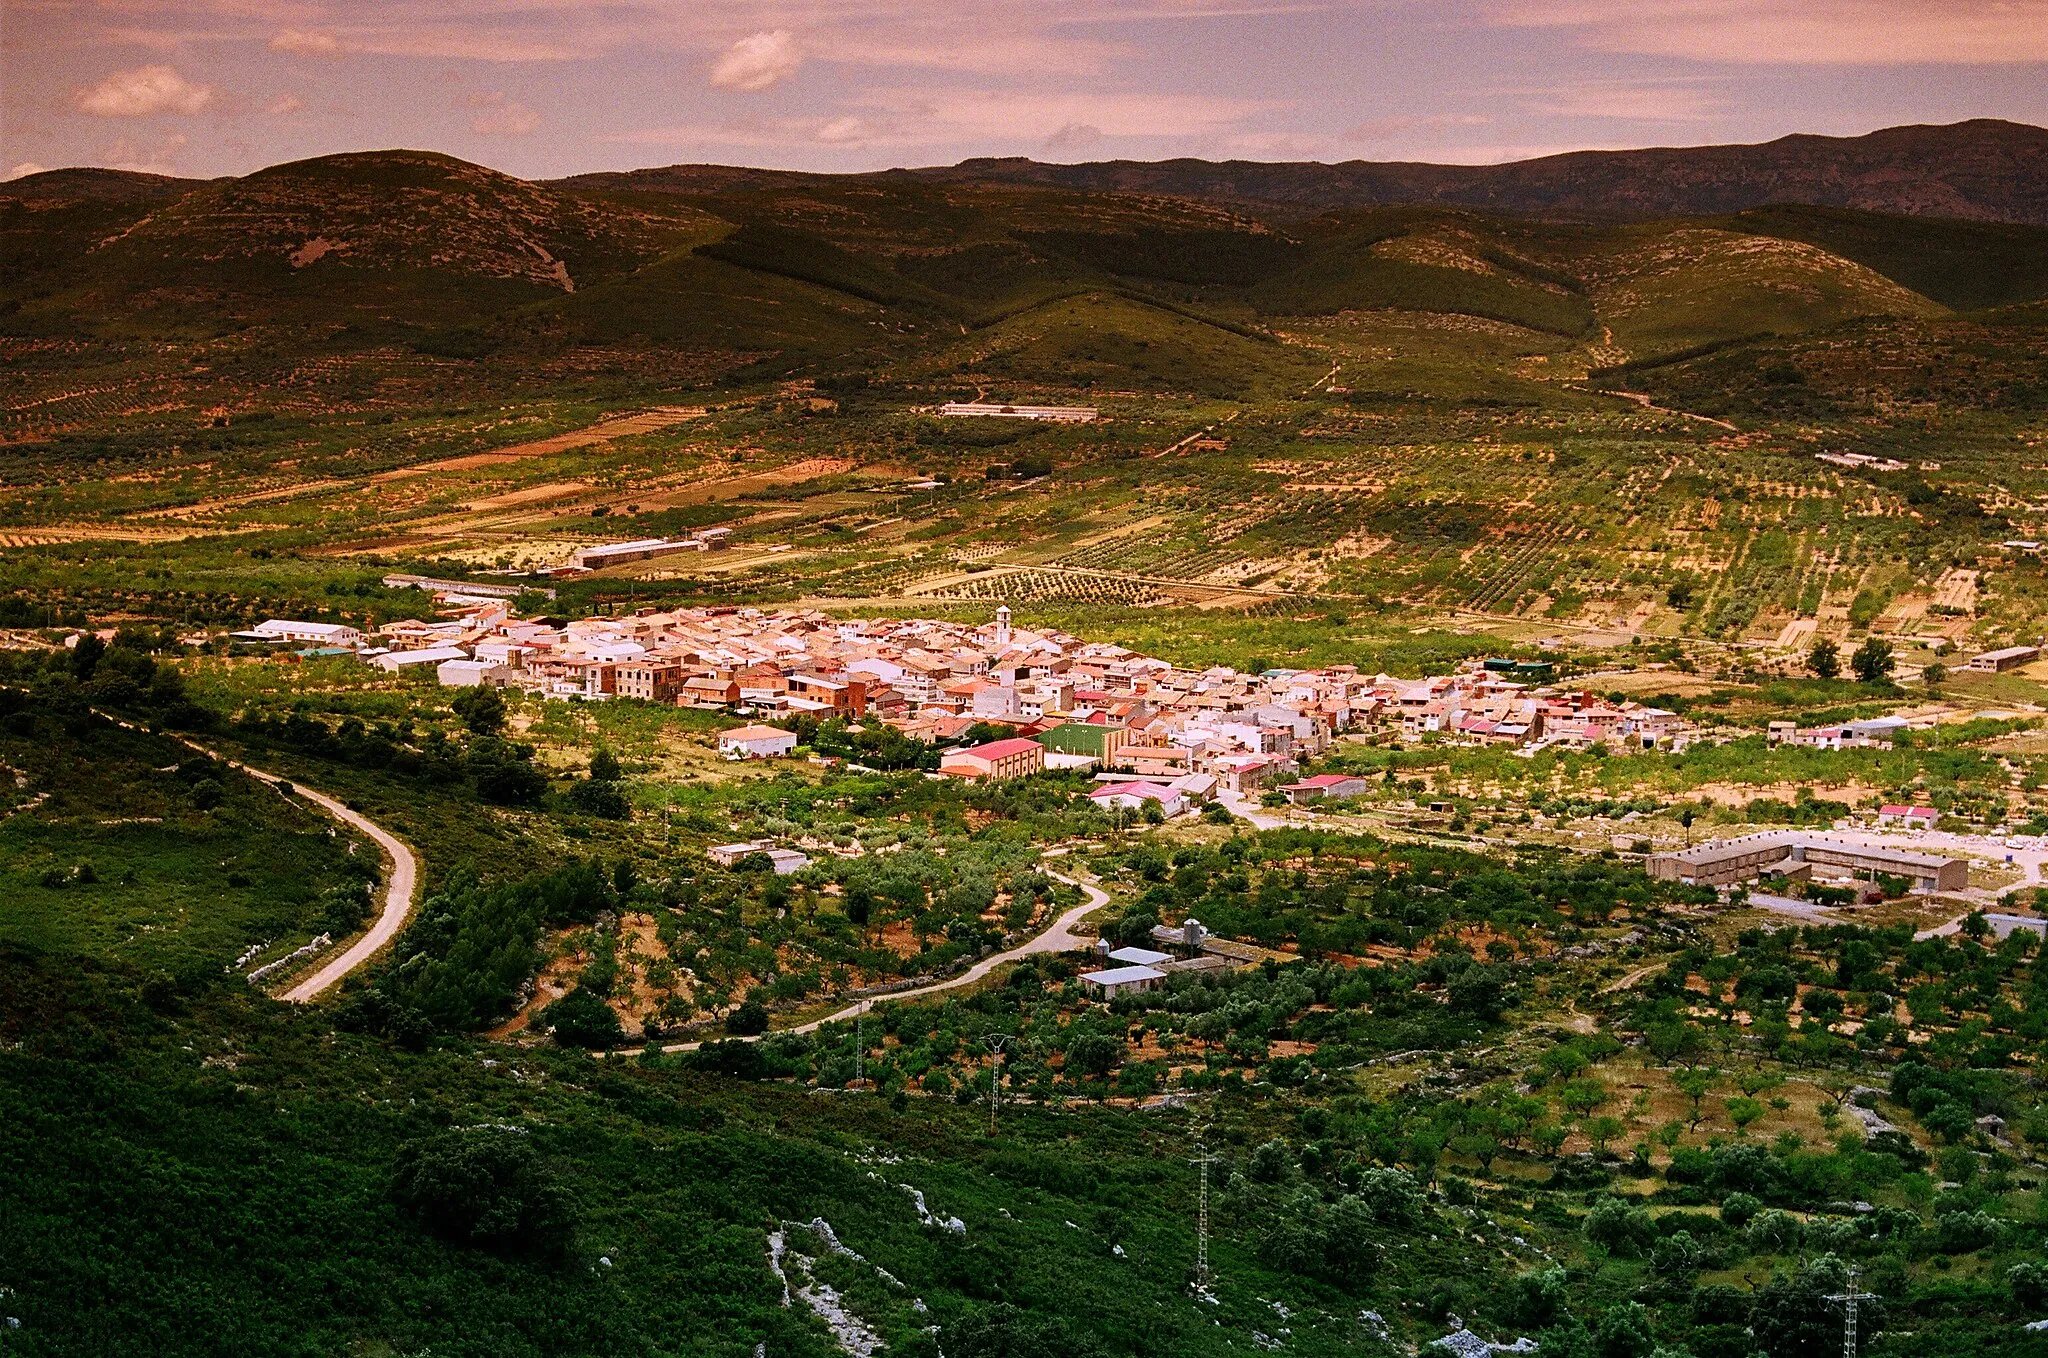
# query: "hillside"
(404, 234)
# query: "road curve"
(405, 872)
(1059, 936)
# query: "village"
(1155, 731)
(1000, 700)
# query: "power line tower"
(1848, 1302)
(996, 1042)
(859, 1047)
(1201, 1161)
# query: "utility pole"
(1848, 1300)
(1202, 1160)
(996, 1043)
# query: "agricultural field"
(1468, 1064)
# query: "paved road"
(1059, 936)
(405, 873)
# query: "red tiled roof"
(1001, 749)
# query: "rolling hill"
(1177, 277)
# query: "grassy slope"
(1682, 287)
(1118, 342)
(1965, 265)
(180, 889)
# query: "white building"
(1133, 796)
(989, 409)
(786, 861)
(755, 742)
(470, 673)
(395, 662)
(619, 553)
(1122, 980)
(313, 633)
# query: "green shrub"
(484, 1186)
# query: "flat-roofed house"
(784, 861)
(1017, 757)
(845, 697)
(756, 742)
(654, 681)
(708, 692)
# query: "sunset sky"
(224, 86)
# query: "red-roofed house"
(1912, 817)
(1013, 758)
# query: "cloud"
(1673, 103)
(1074, 137)
(847, 131)
(1801, 32)
(1390, 129)
(757, 62)
(305, 42)
(25, 169)
(501, 117)
(284, 105)
(144, 92)
(945, 119)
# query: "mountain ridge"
(1982, 169)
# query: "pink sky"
(206, 87)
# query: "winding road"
(405, 871)
(1059, 936)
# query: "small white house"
(786, 861)
(312, 633)
(470, 673)
(756, 742)
(1133, 796)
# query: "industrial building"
(989, 409)
(2005, 658)
(619, 553)
(1797, 853)
(1122, 981)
